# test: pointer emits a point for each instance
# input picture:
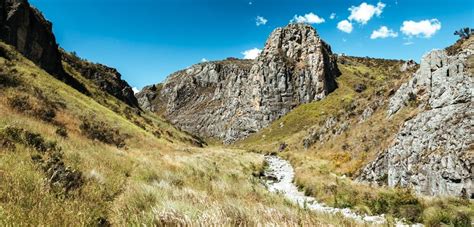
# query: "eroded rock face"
(106, 78)
(25, 28)
(233, 98)
(433, 153)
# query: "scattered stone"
(282, 147)
(359, 88)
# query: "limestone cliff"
(231, 99)
(433, 152)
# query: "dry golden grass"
(324, 170)
(151, 181)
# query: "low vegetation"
(329, 141)
(71, 167)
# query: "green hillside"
(71, 159)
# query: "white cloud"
(333, 16)
(135, 90)
(364, 12)
(408, 43)
(383, 33)
(261, 21)
(309, 18)
(424, 28)
(252, 53)
(345, 26)
(204, 60)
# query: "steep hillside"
(65, 159)
(25, 28)
(232, 99)
(106, 78)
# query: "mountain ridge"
(295, 67)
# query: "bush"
(29, 139)
(102, 132)
(401, 203)
(20, 103)
(62, 131)
(44, 110)
(7, 80)
(462, 220)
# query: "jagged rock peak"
(233, 98)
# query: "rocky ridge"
(231, 99)
(433, 152)
(106, 78)
(25, 28)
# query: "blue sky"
(146, 40)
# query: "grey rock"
(433, 152)
(233, 98)
(25, 28)
(408, 65)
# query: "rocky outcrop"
(25, 28)
(433, 152)
(233, 98)
(106, 78)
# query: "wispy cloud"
(345, 26)
(423, 28)
(364, 12)
(309, 18)
(260, 21)
(204, 60)
(382, 33)
(408, 43)
(252, 53)
(332, 16)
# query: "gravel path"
(280, 175)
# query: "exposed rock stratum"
(233, 98)
(433, 152)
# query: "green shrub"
(23, 103)
(462, 219)
(98, 130)
(62, 131)
(20, 103)
(29, 139)
(8, 80)
(435, 216)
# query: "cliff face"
(23, 27)
(433, 152)
(106, 78)
(233, 98)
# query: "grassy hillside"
(70, 159)
(330, 140)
